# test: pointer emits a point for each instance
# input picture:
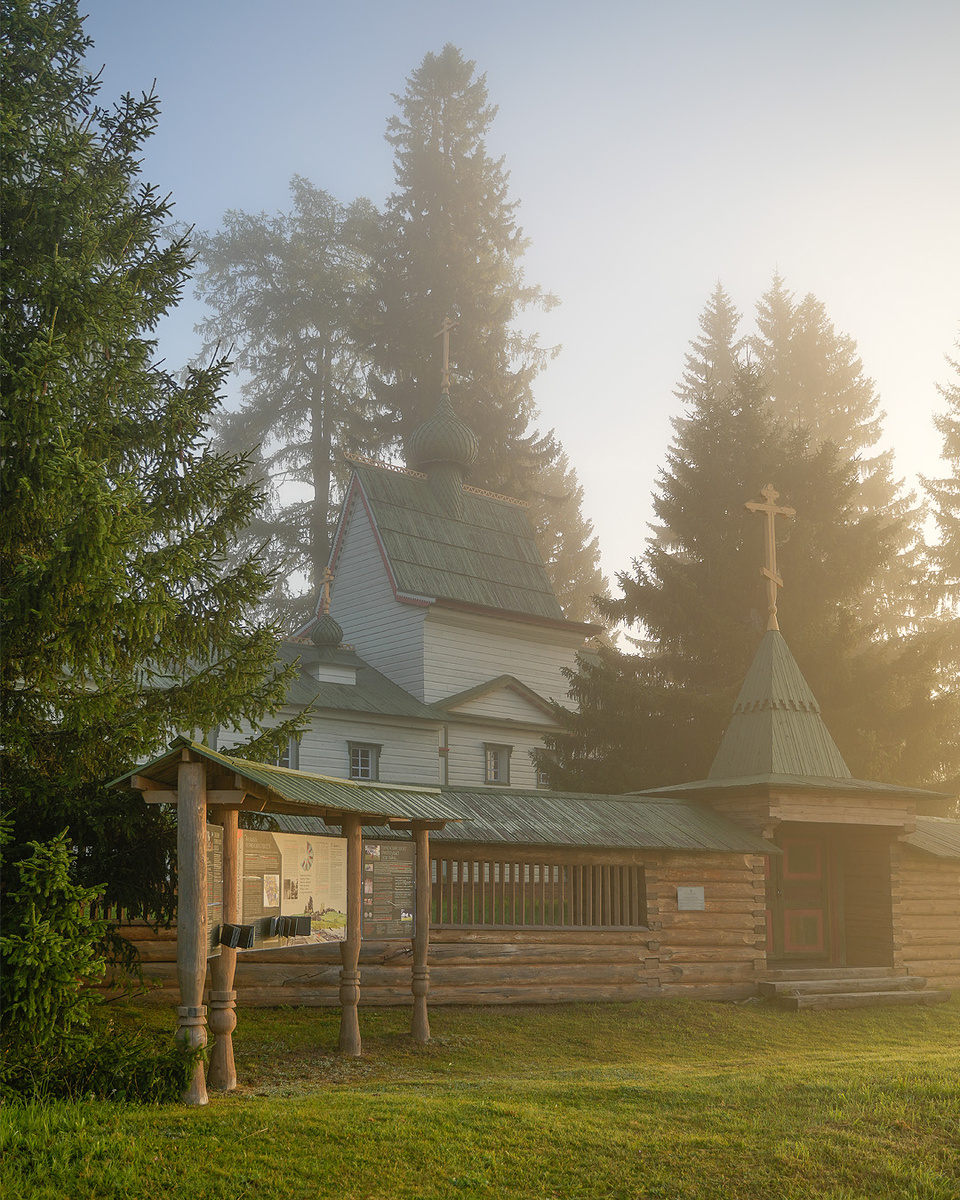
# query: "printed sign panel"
(690, 899)
(388, 889)
(214, 888)
(293, 874)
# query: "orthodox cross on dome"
(769, 571)
(325, 590)
(444, 329)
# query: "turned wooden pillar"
(192, 916)
(350, 947)
(420, 985)
(222, 1073)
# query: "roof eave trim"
(588, 630)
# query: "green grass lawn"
(655, 1099)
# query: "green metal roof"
(939, 836)
(314, 793)
(487, 559)
(571, 819)
(796, 783)
(372, 693)
(776, 727)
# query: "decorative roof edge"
(384, 466)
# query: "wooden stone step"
(775, 973)
(860, 1000)
(847, 985)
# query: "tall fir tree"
(696, 597)
(816, 380)
(453, 248)
(944, 497)
(124, 621)
(286, 291)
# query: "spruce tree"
(285, 291)
(695, 596)
(944, 496)
(453, 248)
(124, 619)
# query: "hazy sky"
(655, 148)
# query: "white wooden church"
(439, 642)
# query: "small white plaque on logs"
(690, 899)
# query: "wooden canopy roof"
(261, 787)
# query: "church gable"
(504, 698)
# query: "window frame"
(292, 755)
(502, 757)
(374, 750)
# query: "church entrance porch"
(829, 896)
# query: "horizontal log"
(696, 973)
(702, 991)
(546, 974)
(585, 994)
(939, 953)
(445, 934)
(945, 906)
(144, 933)
(687, 937)
(705, 954)
(943, 929)
(745, 906)
(734, 922)
(507, 953)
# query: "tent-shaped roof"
(777, 738)
(487, 559)
(776, 728)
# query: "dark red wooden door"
(801, 900)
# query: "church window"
(289, 756)
(496, 764)
(364, 760)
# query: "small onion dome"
(326, 634)
(444, 438)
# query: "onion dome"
(443, 440)
(326, 634)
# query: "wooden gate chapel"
(206, 786)
(837, 894)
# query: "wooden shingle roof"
(488, 559)
(776, 727)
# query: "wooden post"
(350, 948)
(192, 915)
(420, 984)
(222, 1072)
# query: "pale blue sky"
(655, 148)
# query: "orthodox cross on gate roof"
(325, 590)
(444, 329)
(769, 571)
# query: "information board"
(214, 888)
(387, 889)
(293, 874)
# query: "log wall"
(929, 919)
(716, 953)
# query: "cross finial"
(769, 571)
(444, 329)
(325, 591)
